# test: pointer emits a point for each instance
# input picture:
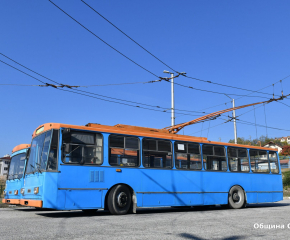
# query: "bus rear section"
(15, 180)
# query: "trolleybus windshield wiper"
(38, 169)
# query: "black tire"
(236, 197)
(119, 200)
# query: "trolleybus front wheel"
(236, 197)
(119, 200)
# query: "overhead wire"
(102, 40)
(206, 81)
(86, 92)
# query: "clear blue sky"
(238, 43)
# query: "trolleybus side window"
(82, 147)
(259, 161)
(124, 151)
(157, 153)
(187, 156)
(273, 162)
(238, 159)
(214, 158)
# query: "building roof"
(273, 143)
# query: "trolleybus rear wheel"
(236, 197)
(119, 200)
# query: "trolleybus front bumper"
(31, 203)
(11, 201)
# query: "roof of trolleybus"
(137, 131)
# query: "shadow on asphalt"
(77, 213)
(191, 236)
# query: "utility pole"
(172, 101)
(235, 124)
(172, 94)
(234, 117)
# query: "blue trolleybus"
(15, 176)
(121, 168)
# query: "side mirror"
(66, 148)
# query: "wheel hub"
(122, 199)
(236, 197)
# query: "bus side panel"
(170, 188)
(268, 187)
(50, 197)
(82, 199)
(216, 185)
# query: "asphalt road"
(254, 222)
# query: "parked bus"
(15, 176)
(121, 168)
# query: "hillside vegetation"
(286, 183)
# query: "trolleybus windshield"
(39, 153)
(16, 166)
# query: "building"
(285, 139)
(4, 165)
(273, 145)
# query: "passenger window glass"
(214, 162)
(164, 146)
(207, 150)
(238, 160)
(149, 144)
(83, 148)
(157, 158)
(273, 162)
(126, 156)
(117, 141)
(259, 161)
(187, 156)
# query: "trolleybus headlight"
(36, 190)
(22, 191)
(4, 192)
(15, 192)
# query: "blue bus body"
(81, 186)
(15, 180)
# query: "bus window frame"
(200, 153)
(158, 139)
(84, 164)
(267, 153)
(278, 162)
(248, 157)
(124, 135)
(225, 156)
